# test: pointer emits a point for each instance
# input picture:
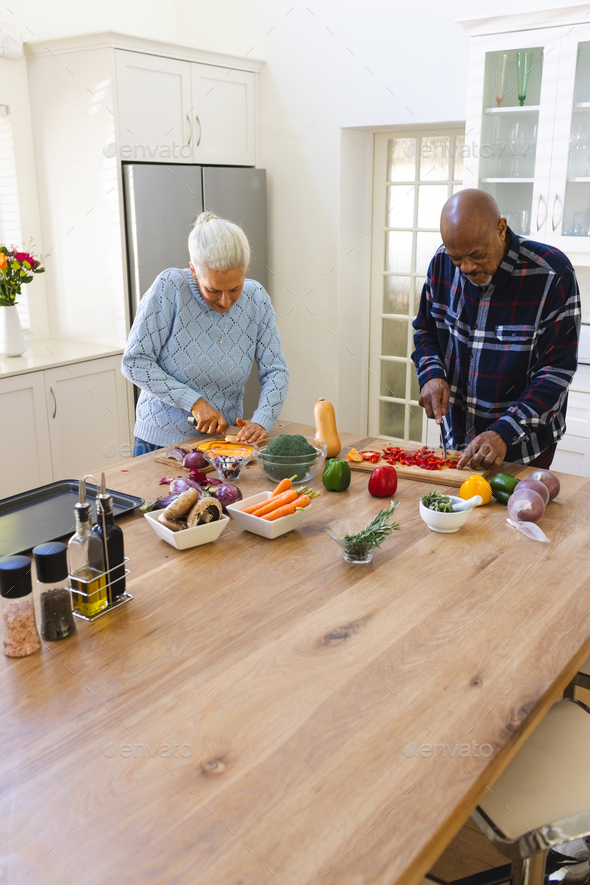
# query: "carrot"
(279, 501)
(283, 486)
(288, 509)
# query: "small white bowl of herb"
(439, 513)
(359, 540)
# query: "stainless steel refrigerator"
(161, 204)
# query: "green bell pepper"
(503, 484)
(336, 475)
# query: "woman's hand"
(250, 432)
(208, 419)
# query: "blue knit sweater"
(180, 349)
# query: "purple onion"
(182, 483)
(194, 461)
(226, 493)
(178, 453)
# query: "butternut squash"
(325, 426)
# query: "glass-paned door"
(414, 174)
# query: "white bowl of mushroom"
(189, 521)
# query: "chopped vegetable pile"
(423, 457)
(436, 501)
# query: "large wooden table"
(276, 686)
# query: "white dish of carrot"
(270, 514)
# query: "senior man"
(496, 337)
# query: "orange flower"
(2, 260)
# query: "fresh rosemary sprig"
(357, 546)
(438, 502)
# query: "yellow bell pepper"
(476, 485)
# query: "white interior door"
(25, 458)
(87, 413)
(223, 115)
(154, 108)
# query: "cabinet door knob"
(190, 129)
(54, 402)
(554, 223)
(540, 223)
(200, 130)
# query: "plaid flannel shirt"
(508, 351)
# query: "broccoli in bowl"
(290, 455)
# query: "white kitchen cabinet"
(170, 110)
(533, 157)
(87, 415)
(25, 457)
(62, 422)
(572, 455)
(154, 107)
(223, 109)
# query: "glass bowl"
(227, 467)
(279, 467)
(360, 554)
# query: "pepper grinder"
(51, 564)
(18, 609)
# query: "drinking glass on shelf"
(523, 219)
(524, 66)
(500, 76)
(518, 147)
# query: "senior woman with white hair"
(194, 339)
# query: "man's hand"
(434, 397)
(250, 432)
(486, 450)
(208, 419)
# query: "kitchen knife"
(443, 442)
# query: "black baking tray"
(47, 513)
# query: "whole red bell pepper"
(383, 482)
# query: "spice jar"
(51, 563)
(18, 611)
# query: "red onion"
(537, 486)
(526, 505)
(178, 453)
(226, 493)
(548, 478)
(194, 461)
(182, 483)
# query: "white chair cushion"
(549, 778)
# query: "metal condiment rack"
(121, 600)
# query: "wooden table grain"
(244, 719)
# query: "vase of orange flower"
(16, 268)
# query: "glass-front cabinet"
(528, 131)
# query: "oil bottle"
(111, 537)
(86, 563)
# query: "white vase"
(12, 340)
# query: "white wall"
(14, 93)
(330, 65)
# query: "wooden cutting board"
(447, 476)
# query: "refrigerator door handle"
(190, 129)
(200, 130)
